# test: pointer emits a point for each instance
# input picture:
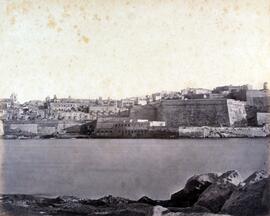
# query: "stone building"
(9, 107)
(103, 110)
(232, 92)
(263, 118)
(260, 99)
(230, 88)
(188, 91)
(128, 102)
(80, 109)
(126, 128)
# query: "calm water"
(121, 167)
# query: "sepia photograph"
(134, 107)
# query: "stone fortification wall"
(204, 112)
(1, 128)
(29, 127)
(223, 132)
(144, 112)
(199, 112)
(237, 112)
(36, 128)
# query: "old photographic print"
(134, 107)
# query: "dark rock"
(96, 203)
(194, 209)
(121, 212)
(68, 199)
(114, 201)
(72, 209)
(141, 207)
(132, 209)
(165, 203)
(215, 195)
(106, 201)
(192, 190)
(251, 198)
(192, 214)
(26, 200)
(147, 200)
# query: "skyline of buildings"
(192, 90)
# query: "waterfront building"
(125, 127)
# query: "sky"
(123, 48)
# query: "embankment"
(224, 132)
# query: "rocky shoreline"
(209, 194)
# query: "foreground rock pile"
(203, 195)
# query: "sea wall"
(237, 112)
(26, 127)
(32, 128)
(1, 128)
(223, 132)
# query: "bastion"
(197, 112)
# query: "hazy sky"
(126, 48)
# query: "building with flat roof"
(260, 99)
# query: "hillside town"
(195, 112)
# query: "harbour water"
(121, 167)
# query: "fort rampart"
(199, 112)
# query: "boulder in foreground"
(251, 198)
(192, 190)
(214, 197)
